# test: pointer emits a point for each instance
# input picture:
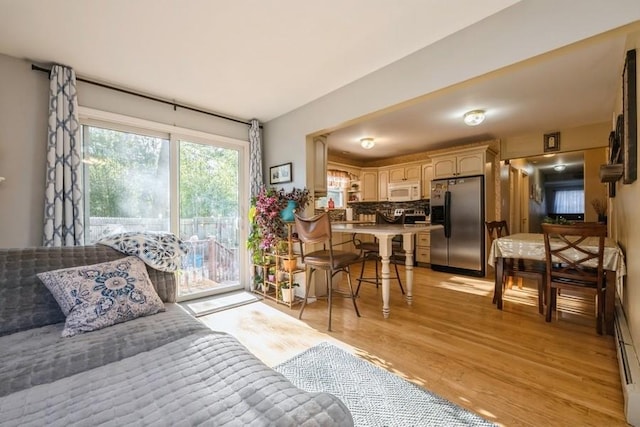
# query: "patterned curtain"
(255, 157)
(63, 213)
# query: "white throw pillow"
(100, 295)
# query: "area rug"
(208, 305)
(374, 396)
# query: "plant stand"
(281, 270)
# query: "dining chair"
(520, 268)
(371, 252)
(575, 263)
(317, 230)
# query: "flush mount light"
(367, 143)
(474, 118)
(559, 168)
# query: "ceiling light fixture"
(474, 118)
(559, 168)
(367, 143)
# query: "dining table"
(530, 246)
(384, 233)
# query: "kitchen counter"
(353, 222)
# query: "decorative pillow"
(100, 295)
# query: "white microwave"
(404, 191)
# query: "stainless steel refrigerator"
(458, 205)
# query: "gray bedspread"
(200, 379)
(41, 355)
(167, 369)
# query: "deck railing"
(213, 245)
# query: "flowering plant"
(298, 195)
(267, 227)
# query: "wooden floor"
(510, 366)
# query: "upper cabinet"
(463, 163)
(383, 185)
(320, 164)
(427, 176)
(369, 183)
(405, 173)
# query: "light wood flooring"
(510, 366)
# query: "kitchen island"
(384, 233)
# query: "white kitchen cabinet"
(353, 191)
(320, 147)
(383, 185)
(454, 164)
(423, 248)
(369, 185)
(427, 176)
(405, 173)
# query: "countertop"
(353, 222)
(383, 229)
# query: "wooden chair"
(317, 230)
(519, 269)
(371, 252)
(572, 266)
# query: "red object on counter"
(331, 204)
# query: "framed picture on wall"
(630, 113)
(280, 174)
(551, 142)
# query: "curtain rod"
(151, 98)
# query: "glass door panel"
(126, 182)
(209, 218)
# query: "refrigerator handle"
(447, 214)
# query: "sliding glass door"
(127, 182)
(209, 218)
(145, 180)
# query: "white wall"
(23, 140)
(528, 28)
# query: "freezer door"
(439, 244)
(466, 244)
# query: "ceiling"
(245, 58)
(570, 87)
(573, 163)
(262, 59)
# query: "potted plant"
(266, 222)
(601, 210)
(264, 215)
(297, 198)
(287, 292)
(290, 263)
(257, 281)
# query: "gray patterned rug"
(374, 396)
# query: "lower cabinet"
(423, 248)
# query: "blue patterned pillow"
(100, 295)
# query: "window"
(568, 201)
(146, 179)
